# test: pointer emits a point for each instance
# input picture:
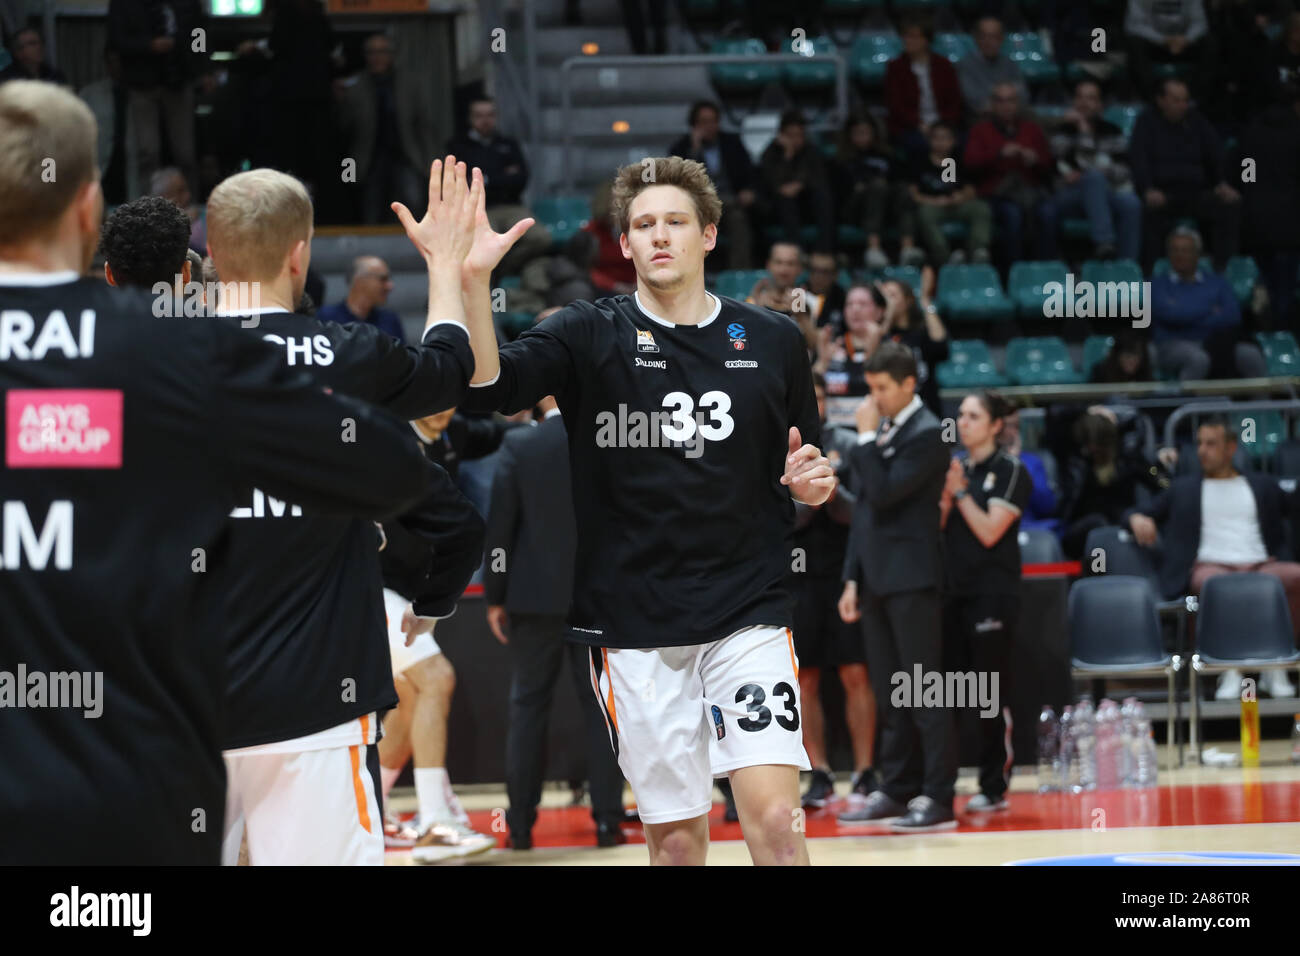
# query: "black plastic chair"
(1123, 555)
(1115, 632)
(1244, 623)
(1039, 546)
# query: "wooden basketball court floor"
(1235, 815)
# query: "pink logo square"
(63, 428)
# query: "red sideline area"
(1050, 570)
(1193, 805)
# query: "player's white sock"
(429, 791)
(387, 777)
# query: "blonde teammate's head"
(667, 211)
(49, 180)
(260, 229)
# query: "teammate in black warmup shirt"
(980, 510)
(128, 440)
(688, 418)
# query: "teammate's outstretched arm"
(444, 236)
(808, 473)
(476, 275)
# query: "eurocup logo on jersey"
(645, 341)
(737, 333)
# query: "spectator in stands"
(1101, 479)
(1242, 56)
(920, 89)
(918, 326)
(983, 499)
(941, 195)
(28, 51)
(1270, 205)
(869, 192)
(386, 118)
(159, 64)
(170, 184)
(824, 298)
(1040, 512)
(822, 640)
(1220, 522)
(1094, 181)
(301, 45)
(610, 272)
(1129, 360)
(842, 356)
(107, 99)
(1195, 318)
(505, 175)
(794, 178)
(369, 285)
(1167, 31)
(733, 175)
(778, 290)
(1178, 170)
(986, 68)
(144, 244)
(1010, 162)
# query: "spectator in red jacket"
(920, 89)
(1010, 161)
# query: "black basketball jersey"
(126, 441)
(308, 647)
(678, 437)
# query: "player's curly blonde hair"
(686, 174)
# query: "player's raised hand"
(809, 475)
(489, 246)
(413, 626)
(446, 233)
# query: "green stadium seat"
(1095, 348)
(953, 45)
(1049, 113)
(909, 274)
(509, 282)
(1114, 270)
(1040, 361)
(870, 54)
(969, 365)
(807, 235)
(810, 76)
(1123, 116)
(1026, 50)
(513, 323)
(1076, 228)
(736, 283)
(742, 77)
(845, 278)
(1025, 285)
(1161, 268)
(847, 235)
(562, 215)
(954, 230)
(1242, 273)
(972, 293)
(1269, 431)
(1280, 352)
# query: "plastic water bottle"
(1067, 761)
(1049, 752)
(1108, 746)
(1085, 745)
(1147, 758)
(1295, 740)
(1128, 715)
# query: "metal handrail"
(1221, 407)
(688, 59)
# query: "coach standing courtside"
(895, 559)
(127, 438)
(528, 579)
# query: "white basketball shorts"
(423, 647)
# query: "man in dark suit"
(895, 559)
(732, 172)
(1221, 522)
(528, 578)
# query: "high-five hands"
(446, 233)
(809, 475)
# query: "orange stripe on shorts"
(359, 788)
(790, 640)
(613, 715)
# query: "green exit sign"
(237, 8)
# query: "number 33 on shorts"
(760, 716)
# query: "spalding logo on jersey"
(645, 342)
(737, 333)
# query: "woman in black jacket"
(918, 326)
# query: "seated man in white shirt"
(1222, 522)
